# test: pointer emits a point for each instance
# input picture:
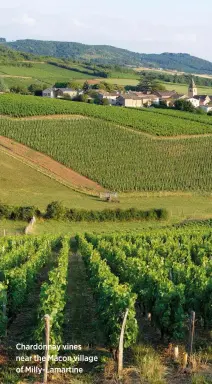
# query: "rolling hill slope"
(10, 55)
(105, 54)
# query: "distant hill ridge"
(13, 56)
(105, 54)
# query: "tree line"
(176, 78)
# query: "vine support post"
(191, 333)
(176, 353)
(47, 334)
(121, 345)
(4, 311)
(185, 360)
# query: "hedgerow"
(55, 210)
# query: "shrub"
(114, 215)
(184, 105)
(5, 211)
(26, 213)
(55, 210)
(162, 214)
(18, 213)
(105, 101)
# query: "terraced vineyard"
(118, 158)
(157, 122)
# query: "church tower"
(192, 89)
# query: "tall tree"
(145, 84)
(148, 84)
(85, 86)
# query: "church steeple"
(192, 89)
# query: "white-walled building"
(130, 100)
(49, 92)
(202, 101)
(59, 93)
(206, 108)
(110, 96)
(194, 102)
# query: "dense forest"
(104, 54)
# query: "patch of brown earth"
(56, 170)
(17, 77)
(45, 117)
(50, 117)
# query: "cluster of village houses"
(139, 99)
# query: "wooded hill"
(8, 55)
(105, 54)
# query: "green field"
(122, 81)
(49, 74)
(183, 88)
(22, 185)
(45, 73)
(55, 227)
(20, 82)
(11, 228)
(180, 88)
(117, 158)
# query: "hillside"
(171, 159)
(104, 54)
(8, 55)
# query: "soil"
(52, 117)
(17, 77)
(81, 320)
(58, 170)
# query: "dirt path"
(52, 117)
(17, 77)
(33, 62)
(46, 117)
(48, 166)
(81, 324)
(154, 137)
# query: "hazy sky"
(139, 25)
